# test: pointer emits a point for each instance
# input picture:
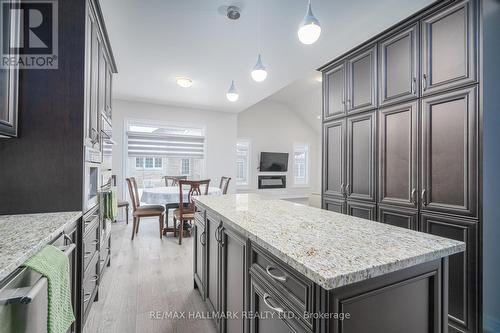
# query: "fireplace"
(272, 182)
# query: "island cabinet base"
(251, 290)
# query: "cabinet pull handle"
(94, 278)
(414, 85)
(424, 82)
(279, 310)
(86, 297)
(276, 277)
(202, 238)
(342, 189)
(217, 234)
(348, 190)
(66, 237)
(412, 196)
(424, 197)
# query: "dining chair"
(121, 203)
(224, 184)
(174, 180)
(139, 210)
(187, 208)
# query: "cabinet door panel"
(398, 166)
(361, 209)
(334, 150)
(233, 282)
(362, 81)
(449, 48)
(399, 217)
(212, 283)
(334, 205)
(335, 92)
(361, 157)
(399, 66)
(462, 307)
(449, 153)
(200, 256)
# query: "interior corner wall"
(273, 127)
(220, 136)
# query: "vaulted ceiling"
(156, 40)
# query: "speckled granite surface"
(22, 236)
(331, 249)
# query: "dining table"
(169, 196)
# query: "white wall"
(220, 136)
(273, 126)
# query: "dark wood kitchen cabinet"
(334, 172)
(427, 133)
(360, 184)
(399, 66)
(200, 242)
(234, 275)
(361, 81)
(335, 205)
(398, 216)
(398, 155)
(335, 91)
(364, 210)
(463, 278)
(212, 289)
(449, 153)
(449, 48)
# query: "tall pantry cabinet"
(401, 137)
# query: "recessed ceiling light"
(183, 81)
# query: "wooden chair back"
(224, 183)
(194, 190)
(134, 192)
(174, 180)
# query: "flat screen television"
(273, 162)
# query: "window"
(301, 164)
(185, 167)
(150, 163)
(242, 162)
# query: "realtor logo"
(29, 34)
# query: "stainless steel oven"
(92, 179)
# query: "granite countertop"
(22, 236)
(331, 249)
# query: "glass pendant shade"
(309, 30)
(232, 94)
(259, 72)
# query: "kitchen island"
(275, 266)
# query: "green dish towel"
(54, 265)
(110, 204)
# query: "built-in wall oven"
(92, 178)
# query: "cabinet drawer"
(278, 316)
(90, 219)
(295, 289)
(90, 244)
(91, 278)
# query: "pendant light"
(259, 72)
(309, 28)
(232, 94)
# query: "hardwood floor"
(147, 275)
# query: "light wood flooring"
(147, 274)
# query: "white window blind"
(165, 145)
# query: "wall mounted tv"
(273, 162)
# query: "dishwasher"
(24, 296)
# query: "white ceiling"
(155, 40)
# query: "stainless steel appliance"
(24, 297)
(92, 178)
